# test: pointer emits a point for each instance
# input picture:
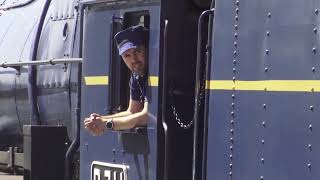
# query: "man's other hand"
(95, 125)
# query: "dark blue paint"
(283, 142)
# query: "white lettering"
(107, 174)
(96, 174)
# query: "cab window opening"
(120, 72)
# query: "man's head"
(132, 45)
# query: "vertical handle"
(195, 175)
(164, 103)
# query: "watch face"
(109, 124)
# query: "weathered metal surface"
(269, 134)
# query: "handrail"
(164, 102)
(197, 95)
(41, 62)
(207, 93)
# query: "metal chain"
(201, 96)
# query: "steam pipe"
(32, 78)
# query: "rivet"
(261, 177)
(267, 51)
(262, 160)
(230, 165)
(313, 69)
(316, 11)
(231, 148)
(315, 30)
(310, 127)
(268, 33)
(312, 89)
(232, 105)
(265, 89)
(230, 156)
(234, 70)
(264, 124)
(232, 122)
(314, 50)
(236, 35)
(232, 96)
(309, 165)
(232, 113)
(266, 69)
(230, 173)
(311, 108)
(231, 131)
(269, 15)
(262, 141)
(233, 78)
(237, 2)
(264, 105)
(310, 147)
(231, 140)
(237, 10)
(235, 53)
(234, 61)
(235, 44)
(236, 18)
(236, 27)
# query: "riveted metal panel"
(96, 49)
(274, 132)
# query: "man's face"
(135, 59)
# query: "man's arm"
(134, 107)
(137, 116)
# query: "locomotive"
(232, 89)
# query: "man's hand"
(95, 125)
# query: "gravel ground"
(7, 177)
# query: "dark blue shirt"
(138, 87)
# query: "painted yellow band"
(154, 81)
(104, 80)
(266, 85)
(96, 80)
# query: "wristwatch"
(110, 124)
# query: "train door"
(180, 21)
(127, 154)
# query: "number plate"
(108, 171)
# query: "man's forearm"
(128, 122)
(132, 120)
(120, 114)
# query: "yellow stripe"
(96, 80)
(153, 81)
(268, 85)
(104, 80)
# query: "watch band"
(110, 124)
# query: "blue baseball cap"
(131, 38)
